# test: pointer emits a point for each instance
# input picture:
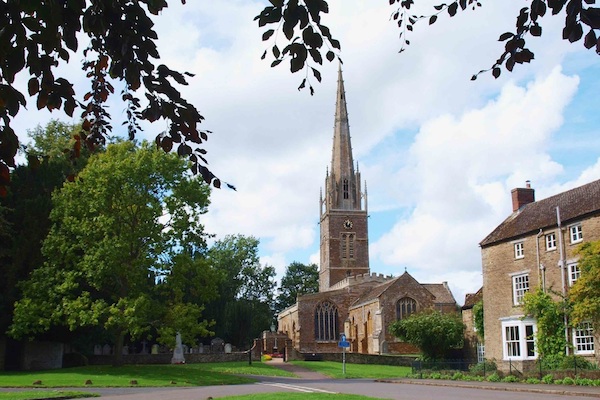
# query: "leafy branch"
(305, 35)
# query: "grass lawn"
(355, 371)
(298, 396)
(204, 374)
(44, 394)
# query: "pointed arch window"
(326, 321)
(345, 188)
(405, 307)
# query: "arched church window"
(345, 188)
(326, 321)
(405, 307)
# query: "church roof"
(573, 204)
(439, 291)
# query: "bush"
(436, 375)
(480, 368)
(511, 379)
(569, 362)
(457, 376)
(584, 382)
(266, 357)
(548, 379)
(533, 381)
(567, 380)
(494, 377)
(558, 382)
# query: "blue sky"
(440, 153)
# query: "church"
(352, 300)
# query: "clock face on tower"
(347, 224)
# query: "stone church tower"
(343, 209)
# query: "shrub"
(457, 376)
(533, 381)
(510, 378)
(494, 377)
(567, 380)
(479, 368)
(266, 357)
(558, 382)
(584, 382)
(548, 379)
(569, 362)
(436, 375)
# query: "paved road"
(382, 390)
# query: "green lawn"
(204, 374)
(334, 370)
(298, 396)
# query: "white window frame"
(520, 286)
(551, 241)
(576, 233)
(574, 272)
(519, 250)
(583, 338)
(516, 344)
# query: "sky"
(439, 152)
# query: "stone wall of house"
(499, 265)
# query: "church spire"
(344, 182)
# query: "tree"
(39, 36)
(120, 227)
(298, 279)
(585, 292)
(434, 333)
(245, 306)
(27, 207)
(305, 36)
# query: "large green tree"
(245, 306)
(123, 225)
(297, 280)
(585, 292)
(434, 333)
(28, 204)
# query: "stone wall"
(353, 358)
(42, 355)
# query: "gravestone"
(178, 351)
(201, 348)
(125, 350)
(154, 349)
(106, 350)
(97, 350)
(216, 345)
(228, 348)
(144, 349)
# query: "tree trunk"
(118, 354)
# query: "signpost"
(343, 343)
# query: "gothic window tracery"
(326, 321)
(345, 189)
(405, 307)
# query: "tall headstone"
(178, 351)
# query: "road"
(425, 390)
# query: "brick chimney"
(522, 196)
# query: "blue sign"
(343, 342)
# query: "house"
(352, 300)
(535, 247)
(473, 345)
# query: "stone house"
(352, 300)
(535, 247)
(473, 346)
